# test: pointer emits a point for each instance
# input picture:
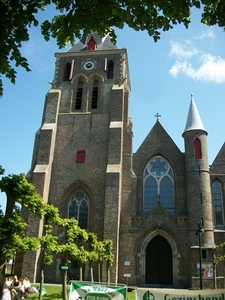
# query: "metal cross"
(157, 116)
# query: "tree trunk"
(64, 285)
(42, 276)
(224, 274)
(108, 275)
(41, 283)
(214, 276)
(99, 272)
(64, 277)
(80, 272)
(91, 272)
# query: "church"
(162, 208)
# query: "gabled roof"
(194, 121)
(101, 43)
(157, 142)
(217, 166)
(156, 139)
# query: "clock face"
(89, 65)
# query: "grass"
(54, 292)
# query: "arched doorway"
(159, 262)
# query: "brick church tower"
(149, 203)
(84, 144)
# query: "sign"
(126, 275)
(64, 267)
(207, 270)
(96, 291)
(172, 294)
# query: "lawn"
(54, 292)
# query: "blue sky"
(163, 77)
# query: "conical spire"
(194, 121)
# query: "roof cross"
(157, 116)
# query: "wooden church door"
(159, 262)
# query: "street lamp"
(199, 231)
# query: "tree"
(108, 256)
(99, 251)
(93, 252)
(48, 242)
(71, 246)
(75, 18)
(218, 256)
(12, 225)
(76, 243)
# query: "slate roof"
(102, 43)
(194, 121)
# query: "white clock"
(89, 65)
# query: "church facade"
(157, 205)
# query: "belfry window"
(158, 183)
(94, 99)
(79, 94)
(197, 149)
(78, 209)
(67, 70)
(110, 70)
(217, 200)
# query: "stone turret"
(199, 201)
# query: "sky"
(163, 76)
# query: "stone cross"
(157, 116)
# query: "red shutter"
(197, 149)
(80, 157)
(91, 44)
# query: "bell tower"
(83, 143)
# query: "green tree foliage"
(93, 252)
(12, 225)
(74, 18)
(75, 243)
(108, 255)
(71, 246)
(48, 241)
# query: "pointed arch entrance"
(159, 262)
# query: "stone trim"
(113, 169)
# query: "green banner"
(173, 294)
(95, 291)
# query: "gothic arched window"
(217, 201)
(78, 209)
(197, 149)
(158, 184)
(110, 69)
(67, 70)
(79, 96)
(94, 98)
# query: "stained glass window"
(158, 184)
(78, 209)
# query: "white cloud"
(185, 50)
(206, 34)
(196, 64)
